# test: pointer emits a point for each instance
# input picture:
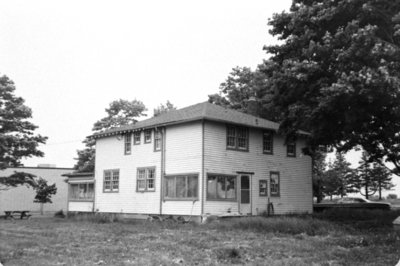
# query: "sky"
(70, 59)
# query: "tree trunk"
(41, 208)
(366, 191)
(380, 189)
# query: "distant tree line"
(337, 178)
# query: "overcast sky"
(70, 59)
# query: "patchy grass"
(291, 225)
(286, 240)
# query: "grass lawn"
(290, 240)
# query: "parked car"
(352, 202)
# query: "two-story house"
(202, 159)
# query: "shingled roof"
(201, 111)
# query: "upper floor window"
(157, 140)
(147, 136)
(291, 149)
(181, 187)
(268, 142)
(237, 138)
(128, 143)
(136, 138)
(111, 181)
(146, 179)
(274, 184)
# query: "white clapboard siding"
(110, 155)
(183, 155)
(21, 198)
(295, 173)
(80, 206)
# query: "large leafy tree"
(17, 137)
(336, 73)
(161, 109)
(119, 113)
(247, 91)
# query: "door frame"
(250, 175)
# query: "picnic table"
(16, 214)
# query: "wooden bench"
(17, 214)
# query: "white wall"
(110, 155)
(183, 155)
(80, 206)
(21, 198)
(295, 173)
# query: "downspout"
(94, 192)
(163, 137)
(69, 197)
(202, 167)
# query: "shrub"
(392, 196)
(59, 214)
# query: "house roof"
(200, 111)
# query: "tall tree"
(346, 177)
(373, 177)
(163, 108)
(336, 74)
(366, 183)
(382, 177)
(120, 113)
(319, 170)
(246, 91)
(17, 137)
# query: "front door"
(245, 195)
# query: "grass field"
(364, 238)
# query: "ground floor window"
(263, 188)
(146, 179)
(221, 187)
(274, 184)
(81, 191)
(181, 186)
(111, 180)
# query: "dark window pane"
(192, 187)
(245, 196)
(180, 187)
(245, 182)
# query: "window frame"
(136, 134)
(263, 192)
(270, 134)
(236, 138)
(128, 143)
(278, 192)
(112, 172)
(147, 133)
(70, 198)
(166, 177)
(288, 145)
(235, 199)
(146, 179)
(157, 140)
